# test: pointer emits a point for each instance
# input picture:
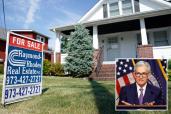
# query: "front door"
(113, 50)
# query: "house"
(2, 45)
(48, 54)
(125, 29)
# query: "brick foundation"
(58, 57)
(145, 51)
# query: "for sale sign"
(23, 68)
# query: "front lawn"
(70, 96)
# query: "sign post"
(23, 68)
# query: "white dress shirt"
(138, 89)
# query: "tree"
(64, 43)
(80, 53)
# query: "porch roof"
(123, 18)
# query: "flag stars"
(127, 60)
(124, 70)
(118, 73)
(120, 68)
(130, 68)
(126, 65)
(121, 63)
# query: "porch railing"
(162, 52)
(99, 61)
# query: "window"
(117, 7)
(127, 6)
(40, 38)
(105, 14)
(136, 5)
(114, 8)
(160, 38)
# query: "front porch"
(121, 40)
(124, 44)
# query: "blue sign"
(23, 68)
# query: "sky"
(41, 15)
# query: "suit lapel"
(135, 94)
(148, 94)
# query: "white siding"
(98, 14)
(147, 5)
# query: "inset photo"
(141, 84)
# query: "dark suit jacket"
(129, 94)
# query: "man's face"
(141, 75)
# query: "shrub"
(46, 67)
(57, 69)
(52, 69)
(1, 68)
(169, 64)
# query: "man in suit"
(141, 92)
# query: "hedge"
(50, 69)
(1, 68)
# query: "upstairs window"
(105, 12)
(122, 7)
(127, 7)
(114, 8)
(136, 6)
(40, 38)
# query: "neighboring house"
(2, 49)
(2, 44)
(35, 35)
(126, 29)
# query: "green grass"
(71, 96)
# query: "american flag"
(125, 69)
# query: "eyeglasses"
(138, 74)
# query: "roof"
(29, 30)
(116, 19)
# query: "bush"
(46, 67)
(52, 69)
(56, 69)
(169, 64)
(1, 68)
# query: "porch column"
(95, 38)
(143, 32)
(57, 50)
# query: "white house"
(126, 29)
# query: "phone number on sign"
(22, 91)
(10, 80)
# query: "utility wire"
(3, 7)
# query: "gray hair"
(142, 63)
